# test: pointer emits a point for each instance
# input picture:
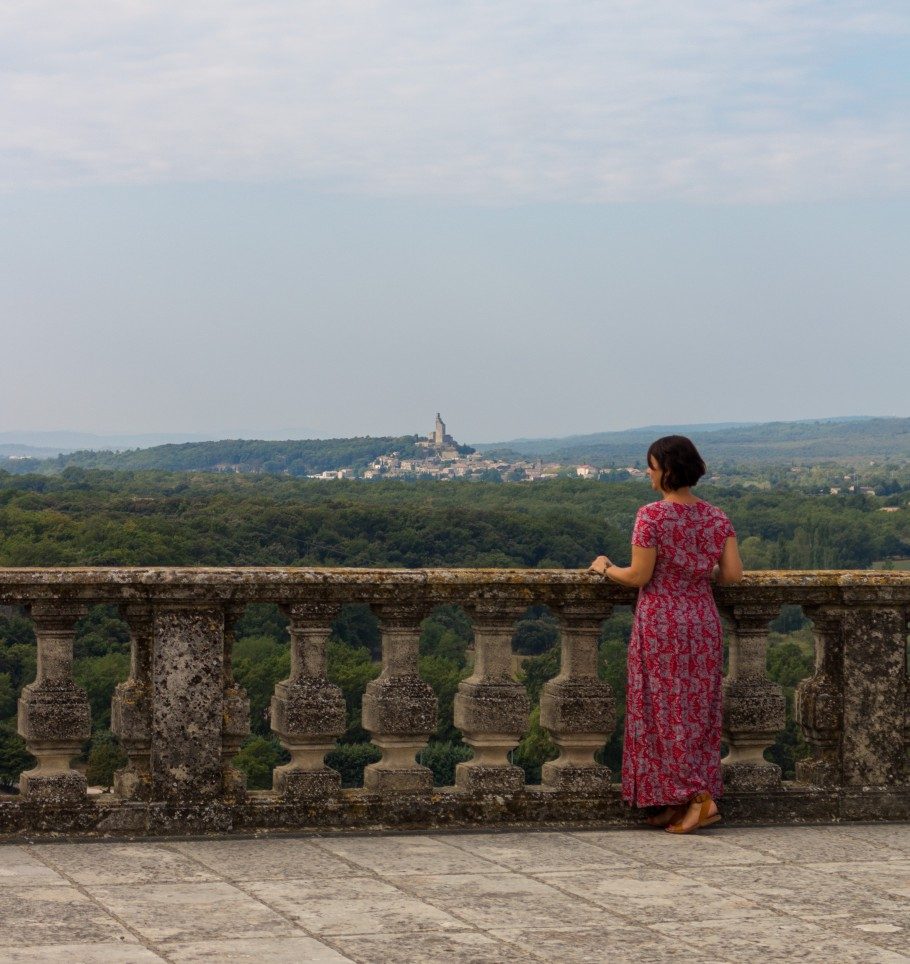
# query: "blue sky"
(336, 218)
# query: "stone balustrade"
(181, 716)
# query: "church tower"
(439, 435)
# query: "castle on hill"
(443, 444)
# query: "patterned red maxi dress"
(671, 747)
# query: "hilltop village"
(442, 457)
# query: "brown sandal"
(704, 820)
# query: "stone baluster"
(576, 707)
(491, 707)
(235, 727)
(819, 703)
(875, 692)
(754, 706)
(308, 712)
(54, 715)
(131, 708)
(188, 704)
(399, 708)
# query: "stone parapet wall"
(181, 717)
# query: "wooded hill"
(848, 441)
(845, 440)
(296, 458)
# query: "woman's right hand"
(600, 565)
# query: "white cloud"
(514, 100)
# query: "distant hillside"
(645, 431)
(843, 439)
(297, 458)
(56, 443)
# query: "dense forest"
(94, 517)
(84, 517)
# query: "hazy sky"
(336, 218)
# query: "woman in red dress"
(671, 748)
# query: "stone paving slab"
(352, 905)
(80, 954)
(454, 948)
(270, 858)
(490, 900)
(551, 851)
(164, 913)
(807, 844)
(891, 877)
(710, 850)
(809, 894)
(775, 938)
(55, 915)
(407, 855)
(832, 894)
(256, 950)
(117, 863)
(607, 941)
(18, 868)
(895, 837)
(648, 894)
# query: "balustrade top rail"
(181, 716)
(267, 583)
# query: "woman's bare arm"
(730, 568)
(637, 574)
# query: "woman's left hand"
(600, 565)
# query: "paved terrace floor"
(832, 894)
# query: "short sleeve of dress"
(728, 529)
(644, 532)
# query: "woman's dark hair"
(679, 461)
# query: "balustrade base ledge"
(362, 810)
